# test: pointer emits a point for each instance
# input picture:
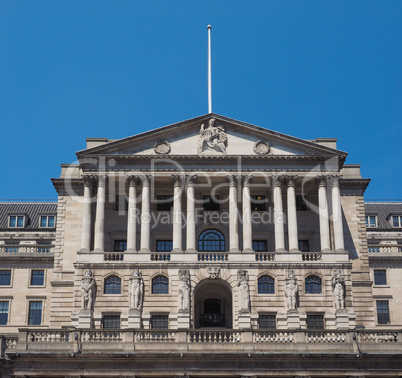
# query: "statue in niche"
(88, 290)
(212, 138)
(244, 292)
(338, 290)
(291, 290)
(184, 291)
(136, 289)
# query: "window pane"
(43, 221)
(380, 277)
(5, 277)
(51, 221)
(35, 313)
(382, 312)
(260, 245)
(372, 221)
(164, 203)
(3, 313)
(111, 321)
(160, 285)
(20, 221)
(267, 321)
(313, 285)
(211, 240)
(266, 285)
(159, 322)
(367, 221)
(304, 246)
(112, 285)
(13, 221)
(300, 204)
(164, 245)
(37, 277)
(315, 321)
(120, 245)
(258, 203)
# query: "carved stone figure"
(291, 289)
(213, 272)
(338, 290)
(136, 290)
(212, 138)
(261, 147)
(88, 290)
(162, 147)
(184, 291)
(244, 292)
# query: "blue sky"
(76, 69)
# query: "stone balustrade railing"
(81, 340)
(26, 248)
(382, 248)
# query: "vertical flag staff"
(209, 27)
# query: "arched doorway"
(213, 304)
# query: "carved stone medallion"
(213, 272)
(162, 147)
(261, 147)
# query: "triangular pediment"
(200, 137)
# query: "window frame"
(260, 284)
(368, 222)
(123, 242)
(379, 276)
(17, 216)
(106, 285)
(310, 285)
(272, 315)
(33, 300)
(255, 242)
(47, 216)
(399, 217)
(222, 239)
(300, 244)
(154, 283)
(160, 315)
(318, 315)
(115, 316)
(377, 311)
(31, 277)
(11, 278)
(2, 300)
(165, 241)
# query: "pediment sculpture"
(212, 138)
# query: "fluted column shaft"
(278, 215)
(233, 212)
(177, 216)
(132, 214)
(100, 215)
(337, 216)
(323, 214)
(145, 216)
(86, 215)
(190, 227)
(292, 215)
(247, 224)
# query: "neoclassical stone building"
(207, 248)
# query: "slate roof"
(383, 210)
(32, 210)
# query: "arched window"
(313, 285)
(211, 241)
(160, 285)
(112, 285)
(266, 285)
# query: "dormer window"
(16, 221)
(397, 221)
(371, 221)
(47, 221)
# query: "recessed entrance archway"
(213, 304)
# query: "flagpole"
(209, 27)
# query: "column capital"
(334, 180)
(191, 180)
(87, 180)
(101, 180)
(321, 181)
(247, 180)
(132, 180)
(232, 179)
(144, 180)
(177, 180)
(278, 180)
(290, 180)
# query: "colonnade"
(279, 182)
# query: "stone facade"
(206, 236)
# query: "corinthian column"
(233, 221)
(190, 229)
(278, 215)
(292, 215)
(132, 214)
(100, 215)
(145, 215)
(177, 216)
(323, 214)
(337, 216)
(86, 215)
(247, 224)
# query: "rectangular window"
(164, 203)
(159, 322)
(5, 277)
(211, 203)
(4, 312)
(35, 313)
(380, 277)
(121, 203)
(304, 246)
(37, 277)
(16, 221)
(397, 221)
(315, 321)
(371, 221)
(301, 203)
(120, 245)
(382, 312)
(47, 221)
(164, 245)
(258, 203)
(260, 245)
(111, 321)
(267, 321)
